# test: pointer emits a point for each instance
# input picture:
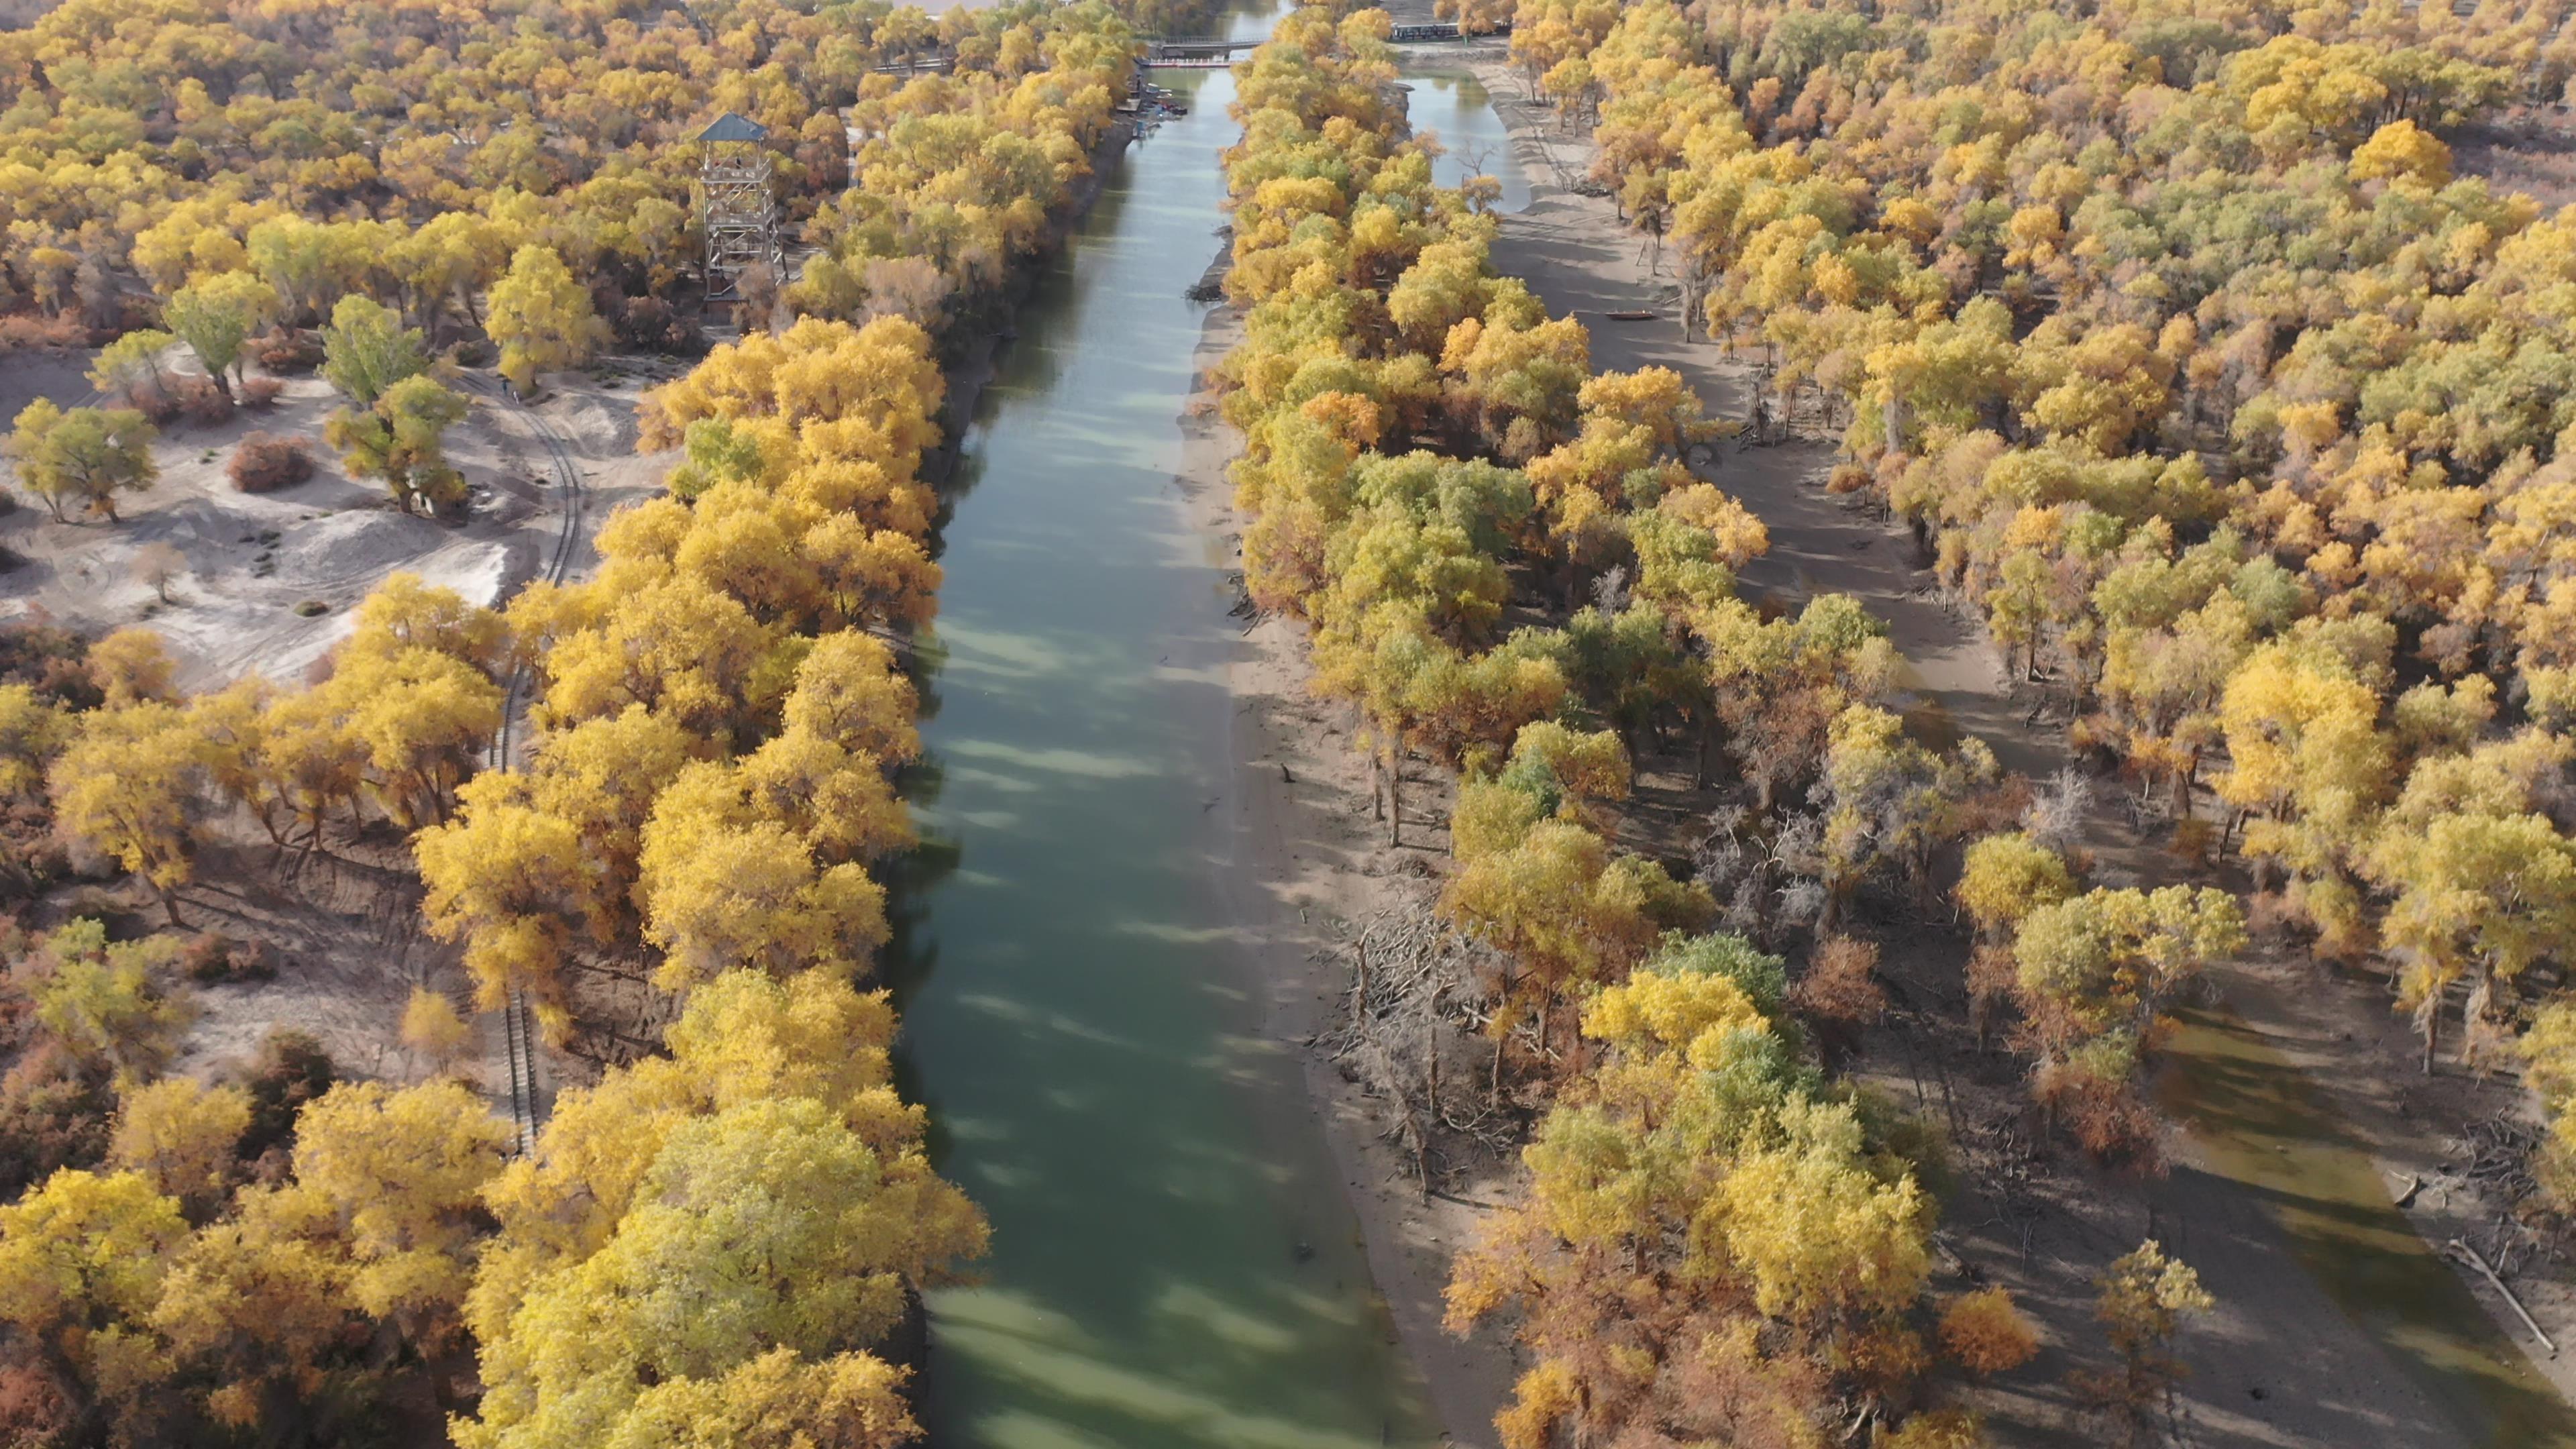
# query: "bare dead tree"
(159, 565)
(1415, 1003)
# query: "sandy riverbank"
(1305, 864)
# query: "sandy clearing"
(344, 926)
(345, 935)
(252, 559)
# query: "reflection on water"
(1174, 1263)
(1453, 106)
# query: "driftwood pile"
(2490, 1160)
(1406, 1037)
(2499, 1157)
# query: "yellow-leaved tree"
(1699, 1211)
(726, 1230)
(542, 317)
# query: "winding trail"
(518, 1036)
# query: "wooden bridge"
(1443, 30)
(1193, 54)
(1163, 54)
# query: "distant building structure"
(737, 205)
(1441, 30)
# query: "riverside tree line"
(2229, 406)
(1506, 564)
(715, 1242)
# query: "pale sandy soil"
(345, 930)
(345, 923)
(252, 558)
(2282, 1362)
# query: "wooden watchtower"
(737, 207)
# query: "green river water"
(1174, 1262)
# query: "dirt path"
(345, 929)
(1573, 251)
(578, 443)
(2338, 1325)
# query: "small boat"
(1630, 316)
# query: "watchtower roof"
(731, 127)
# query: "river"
(1174, 1262)
(1448, 105)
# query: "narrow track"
(518, 1034)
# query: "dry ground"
(252, 559)
(344, 923)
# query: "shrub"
(1840, 995)
(22, 333)
(204, 402)
(292, 1070)
(653, 323)
(50, 660)
(264, 463)
(1933, 1429)
(287, 349)
(54, 1113)
(260, 392)
(32, 856)
(154, 400)
(311, 609)
(432, 1027)
(211, 959)
(1986, 1334)
(33, 1407)
(1839, 985)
